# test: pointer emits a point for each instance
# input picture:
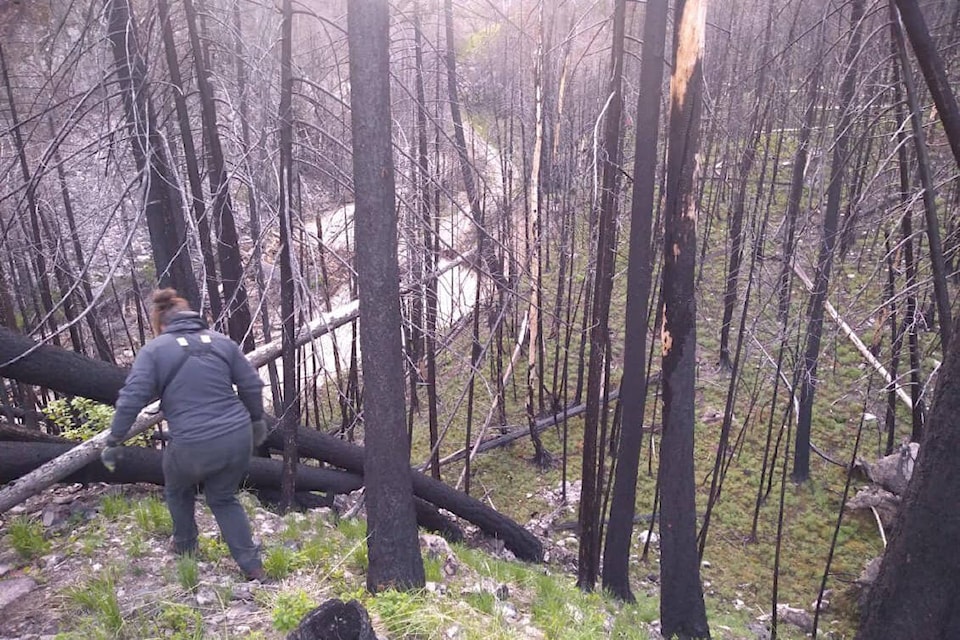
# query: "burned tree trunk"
(393, 548)
(682, 611)
(828, 241)
(616, 551)
(162, 199)
(237, 307)
(197, 203)
(917, 594)
(595, 418)
(138, 464)
(290, 415)
(26, 361)
(934, 72)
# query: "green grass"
(213, 549)
(188, 573)
(136, 545)
(281, 561)
(27, 537)
(289, 608)
(98, 598)
(152, 516)
(179, 621)
(115, 506)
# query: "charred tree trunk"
(796, 191)
(162, 199)
(541, 457)
(588, 567)
(24, 360)
(917, 594)
(910, 266)
(616, 551)
(291, 397)
(929, 195)
(682, 611)
(739, 205)
(392, 542)
(931, 64)
(488, 252)
(430, 235)
(228, 243)
(191, 160)
(99, 339)
(141, 464)
(253, 199)
(38, 254)
(831, 220)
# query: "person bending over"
(212, 427)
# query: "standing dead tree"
(392, 542)
(616, 550)
(682, 610)
(163, 201)
(828, 241)
(595, 417)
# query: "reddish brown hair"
(166, 304)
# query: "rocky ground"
(87, 545)
(101, 567)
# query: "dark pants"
(219, 464)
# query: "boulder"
(12, 589)
(886, 503)
(893, 472)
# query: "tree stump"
(335, 620)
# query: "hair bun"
(165, 298)
(166, 305)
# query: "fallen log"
(140, 464)
(349, 456)
(855, 339)
(72, 373)
(143, 465)
(19, 433)
(519, 433)
(48, 366)
(311, 444)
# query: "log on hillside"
(19, 433)
(349, 456)
(519, 433)
(139, 464)
(521, 542)
(48, 366)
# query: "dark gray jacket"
(198, 399)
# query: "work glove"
(110, 456)
(259, 432)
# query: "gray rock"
(799, 618)
(206, 597)
(893, 472)
(12, 589)
(873, 497)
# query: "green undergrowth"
(311, 557)
(739, 562)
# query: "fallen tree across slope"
(311, 444)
